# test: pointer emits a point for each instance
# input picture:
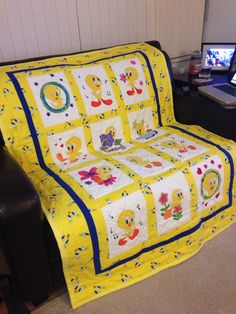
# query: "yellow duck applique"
(181, 147)
(108, 138)
(53, 93)
(177, 197)
(126, 221)
(210, 184)
(143, 162)
(73, 145)
(131, 75)
(100, 175)
(111, 130)
(104, 172)
(139, 127)
(95, 84)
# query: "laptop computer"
(225, 94)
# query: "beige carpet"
(205, 284)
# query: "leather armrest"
(183, 107)
(17, 194)
(21, 229)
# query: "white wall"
(30, 28)
(220, 21)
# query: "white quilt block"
(144, 163)
(209, 178)
(126, 222)
(179, 147)
(172, 198)
(68, 148)
(95, 89)
(131, 79)
(100, 178)
(108, 136)
(54, 98)
(142, 126)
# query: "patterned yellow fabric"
(127, 190)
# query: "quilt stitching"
(89, 219)
(147, 190)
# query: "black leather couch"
(29, 244)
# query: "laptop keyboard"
(227, 89)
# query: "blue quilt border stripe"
(202, 220)
(80, 203)
(223, 151)
(42, 164)
(70, 191)
(112, 57)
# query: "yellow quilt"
(126, 189)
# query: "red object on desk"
(195, 63)
(194, 68)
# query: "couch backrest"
(122, 90)
(153, 43)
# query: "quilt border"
(79, 201)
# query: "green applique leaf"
(117, 141)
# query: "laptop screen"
(217, 55)
(232, 70)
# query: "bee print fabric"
(127, 190)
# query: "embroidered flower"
(96, 177)
(163, 198)
(110, 181)
(178, 209)
(123, 77)
(106, 182)
(133, 62)
(88, 174)
(107, 139)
